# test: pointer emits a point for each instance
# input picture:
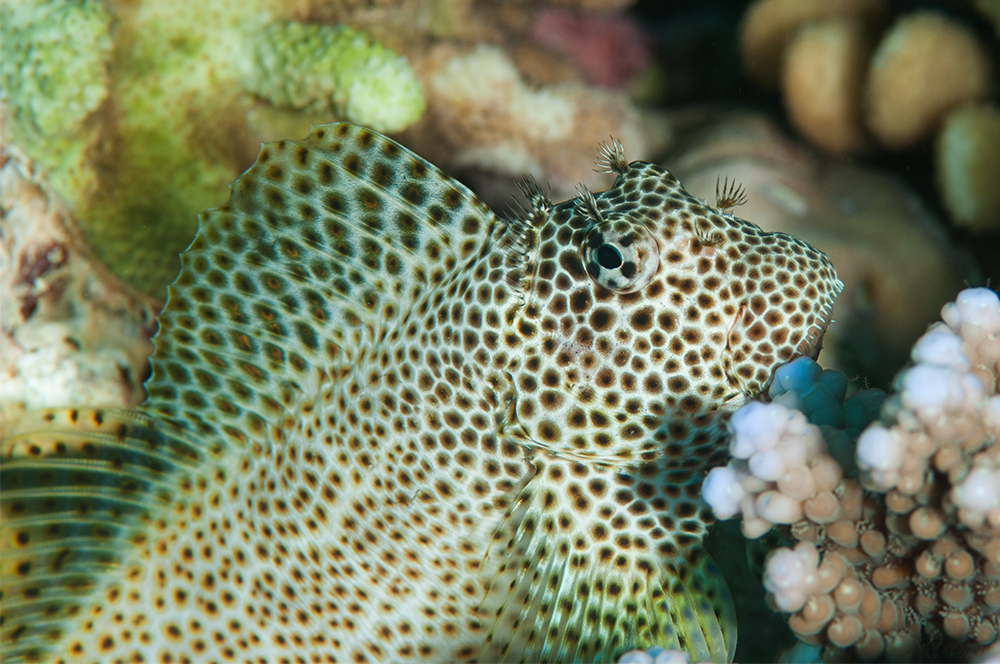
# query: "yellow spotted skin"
(385, 425)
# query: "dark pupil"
(609, 257)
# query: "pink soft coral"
(608, 49)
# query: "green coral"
(178, 106)
(142, 118)
(317, 67)
(54, 60)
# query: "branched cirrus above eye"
(620, 257)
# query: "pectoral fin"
(560, 596)
(79, 487)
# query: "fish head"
(655, 309)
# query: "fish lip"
(810, 347)
(812, 343)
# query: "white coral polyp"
(941, 347)
(768, 465)
(978, 306)
(791, 575)
(655, 655)
(979, 491)
(723, 492)
(879, 450)
(931, 390)
(757, 427)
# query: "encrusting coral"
(138, 112)
(142, 112)
(483, 114)
(54, 60)
(188, 77)
(903, 561)
(335, 69)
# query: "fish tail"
(80, 487)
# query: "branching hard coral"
(905, 563)
(334, 69)
(946, 410)
(785, 467)
(54, 59)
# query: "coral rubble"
(70, 332)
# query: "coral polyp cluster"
(333, 69)
(900, 560)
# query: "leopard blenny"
(385, 424)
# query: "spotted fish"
(384, 424)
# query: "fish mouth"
(809, 346)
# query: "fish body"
(385, 424)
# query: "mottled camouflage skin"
(384, 424)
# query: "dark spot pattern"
(385, 425)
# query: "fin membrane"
(560, 597)
(79, 486)
(323, 246)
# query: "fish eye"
(609, 257)
(620, 256)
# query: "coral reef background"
(122, 119)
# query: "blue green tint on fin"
(321, 249)
(79, 487)
(554, 598)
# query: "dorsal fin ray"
(80, 488)
(322, 247)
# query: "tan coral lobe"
(823, 83)
(968, 166)
(925, 66)
(769, 25)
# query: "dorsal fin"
(321, 249)
(79, 489)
